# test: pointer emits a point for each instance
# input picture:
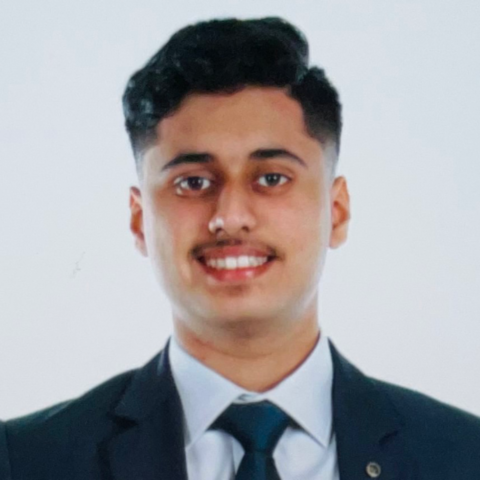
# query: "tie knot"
(257, 426)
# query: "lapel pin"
(373, 469)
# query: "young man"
(236, 141)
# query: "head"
(229, 121)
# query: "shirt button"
(373, 470)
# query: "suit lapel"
(368, 428)
(149, 444)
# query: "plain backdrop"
(401, 299)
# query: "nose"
(235, 208)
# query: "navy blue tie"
(258, 427)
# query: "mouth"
(203, 260)
(237, 273)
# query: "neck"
(256, 363)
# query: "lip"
(236, 275)
(235, 251)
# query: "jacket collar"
(149, 444)
(367, 426)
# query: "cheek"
(304, 226)
(159, 229)
(175, 229)
(169, 242)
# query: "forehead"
(245, 119)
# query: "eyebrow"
(258, 155)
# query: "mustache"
(229, 242)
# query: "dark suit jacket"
(130, 428)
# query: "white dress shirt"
(308, 453)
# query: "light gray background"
(400, 299)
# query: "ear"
(340, 212)
(136, 220)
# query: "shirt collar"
(205, 394)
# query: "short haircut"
(224, 56)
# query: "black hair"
(224, 56)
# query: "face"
(253, 164)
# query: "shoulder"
(32, 446)
(428, 413)
(435, 429)
(66, 425)
(421, 416)
(67, 440)
(92, 404)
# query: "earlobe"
(136, 220)
(340, 212)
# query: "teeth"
(232, 263)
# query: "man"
(236, 141)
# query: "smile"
(231, 269)
(234, 263)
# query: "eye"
(186, 182)
(194, 183)
(274, 177)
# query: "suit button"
(373, 470)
